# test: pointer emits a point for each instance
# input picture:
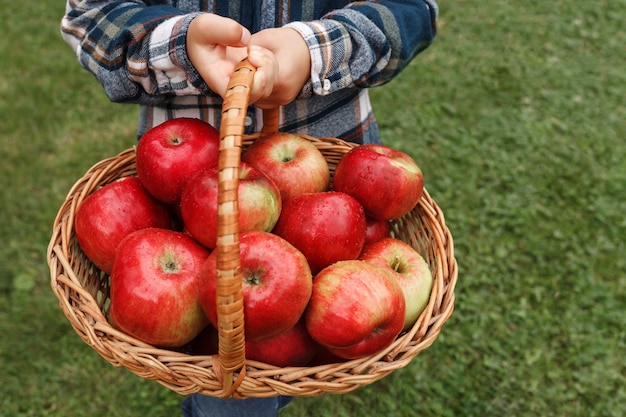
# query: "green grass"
(516, 115)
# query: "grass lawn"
(517, 117)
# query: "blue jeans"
(198, 405)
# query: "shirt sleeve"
(136, 52)
(367, 43)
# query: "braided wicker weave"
(83, 290)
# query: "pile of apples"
(323, 278)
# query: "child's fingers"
(266, 73)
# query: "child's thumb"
(228, 32)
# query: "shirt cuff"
(330, 47)
(173, 71)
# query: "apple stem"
(397, 265)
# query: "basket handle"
(229, 282)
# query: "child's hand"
(283, 64)
(215, 45)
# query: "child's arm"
(365, 44)
(142, 54)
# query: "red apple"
(295, 164)
(376, 229)
(154, 287)
(276, 285)
(113, 212)
(356, 309)
(387, 182)
(259, 203)
(410, 270)
(169, 154)
(291, 348)
(327, 227)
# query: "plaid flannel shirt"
(136, 49)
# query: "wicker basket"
(83, 290)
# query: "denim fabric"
(203, 406)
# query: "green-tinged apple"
(387, 182)
(356, 309)
(410, 270)
(154, 287)
(259, 203)
(327, 227)
(276, 285)
(295, 164)
(113, 212)
(292, 348)
(169, 154)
